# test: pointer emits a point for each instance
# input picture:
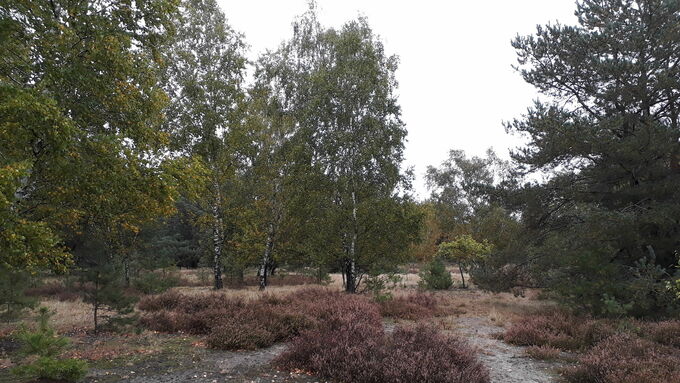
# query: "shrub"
(411, 307)
(422, 354)
(152, 282)
(361, 352)
(166, 301)
(46, 345)
(347, 351)
(103, 290)
(237, 336)
(55, 290)
(13, 297)
(70, 370)
(435, 276)
(624, 358)
(232, 323)
(379, 285)
(665, 332)
(558, 329)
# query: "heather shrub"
(665, 332)
(624, 358)
(239, 336)
(231, 323)
(162, 321)
(55, 290)
(166, 301)
(350, 352)
(361, 352)
(422, 354)
(412, 307)
(558, 329)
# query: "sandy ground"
(507, 363)
(205, 366)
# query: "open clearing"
(152, 357)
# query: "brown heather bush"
(414, 306)
(612, 351)
(624, 358)
(335, 335)
(55, 290)
(558, 329)
(359, 351)
(665, 332)
(233, 323)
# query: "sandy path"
(507, 363)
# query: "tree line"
(130, 138)
(129, 131)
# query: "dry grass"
(248, 293)
(544, 352)
(70, 316)
(497, 317)
(499, 308)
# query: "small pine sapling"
(45, 344)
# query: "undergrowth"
(609, 351)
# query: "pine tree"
(606, 219)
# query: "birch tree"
(359, 137)
(204, 80)
(282, 166)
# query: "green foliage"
(80, 111)
(46, 345)
(152, 282)
(103, 288)
(327, 177)
(614, 308)
(380, 285)
(69, 370)
(13, 300)
(203, 78)
(465, 251)
(43, 341)
(434, 276)
(597, 185)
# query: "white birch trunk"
(217, 241)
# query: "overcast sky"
(456, 84)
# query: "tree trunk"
(460, 267)
(266, 257)
(351, 271)
(350, 276)
(217, 249)
(126, 271)
(95, 303)
(96, 325)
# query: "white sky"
(456, 84)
